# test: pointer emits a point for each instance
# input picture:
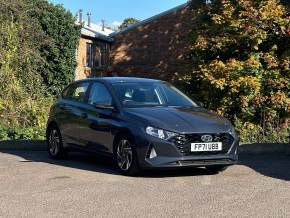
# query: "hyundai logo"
(206, 138)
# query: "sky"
(115, 11)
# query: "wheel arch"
(120, 133)
(51, 124)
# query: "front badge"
(206, 138)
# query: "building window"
(89, 62)
(94, 56)
(98, 56)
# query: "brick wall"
(154, 49)
(82, 70)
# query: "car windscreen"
(142, 94)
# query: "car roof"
(120, 79)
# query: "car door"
(70, 106)
(95, 128)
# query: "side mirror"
(199, 103)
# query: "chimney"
(80, 16)
(103, 25)
(89, 18)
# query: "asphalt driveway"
(31, 185)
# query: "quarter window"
(100, 95)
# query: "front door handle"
(84, 115)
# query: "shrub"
(27, 48)
(240, 55)
(60, 50)
(252, 133)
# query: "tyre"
(55, 144)
(216, 169)
(125, 156)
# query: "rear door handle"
(84, 115)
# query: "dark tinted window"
(76, 92)
(100, 95)
(151, 94)
(94, 55)
(90, 58)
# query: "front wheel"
(55, 143)
(125, 156)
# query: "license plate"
(209, 146)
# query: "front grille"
(183, 143)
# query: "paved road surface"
(31, 185)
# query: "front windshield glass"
(145, 94)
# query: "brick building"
(151, 48)
(93, 51)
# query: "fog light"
(152, 153)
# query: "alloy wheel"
(54, 142)
(124, 155)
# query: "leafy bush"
(251, 133)
(3, 132)
(60, 51)
(25, 42)
(240, 57)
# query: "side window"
(76, 92)
(99, 95)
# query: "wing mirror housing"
(201, 104)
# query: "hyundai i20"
(141, 124)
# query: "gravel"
(32, 185)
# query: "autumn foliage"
(240, 55)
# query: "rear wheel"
(55, 143)
(125, 156)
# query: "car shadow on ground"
(275, 166)
(101, 164)
(270, 165)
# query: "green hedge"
(37, 59)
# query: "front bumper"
(169, 156)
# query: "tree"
(128, 22)
(23, 107)
(241, 61)
(60, 52)
(37, 58)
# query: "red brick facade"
(154, 48)
(83, 70)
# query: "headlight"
(160, 133)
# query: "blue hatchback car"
(141, 123)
